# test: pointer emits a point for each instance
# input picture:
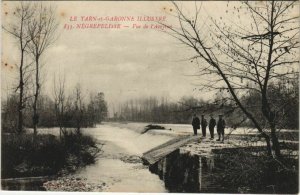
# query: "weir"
(183, 172)
(155, 154)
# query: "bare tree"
(79, 108)
(59, 101)
(243, 54)
(18, 29)
(41, 27)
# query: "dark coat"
(212, 123)
(221, 125)
(196, 122)
(203, 122)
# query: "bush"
(21, 156)
(24, 156)
(82, 146)
(255, 172)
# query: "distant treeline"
(75, 111)
(161, 110)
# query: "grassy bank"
(24, 156)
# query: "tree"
(41, 28)
(59, 101)
(101, 107)
(79, 108)
(244, 54)
(18, 29)
(9, 119)
(96, 109)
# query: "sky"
(123, 63)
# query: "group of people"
(212, 123)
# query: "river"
(119, 166)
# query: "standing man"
(195, 124)
(203, 126)
(221, 127)
(212, 124)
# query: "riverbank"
(28, 161)
(119, 168)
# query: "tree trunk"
(275, 142)
(248, 114)
(21, 95)
(266, 109)
(36, 95)
(20, 106)
(270, 116)
(35, 118)
(269, 148)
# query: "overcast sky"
(122, 63)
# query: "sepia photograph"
(150, 96)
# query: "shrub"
(23, 156)
(82, 146)
(255, 172)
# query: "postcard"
(150, 96)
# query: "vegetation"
(160, 110)
(252, 171)
(33, 25)
(24, 157)
(244, 57)
(24, 154)
(91, 112)
(253, 68)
